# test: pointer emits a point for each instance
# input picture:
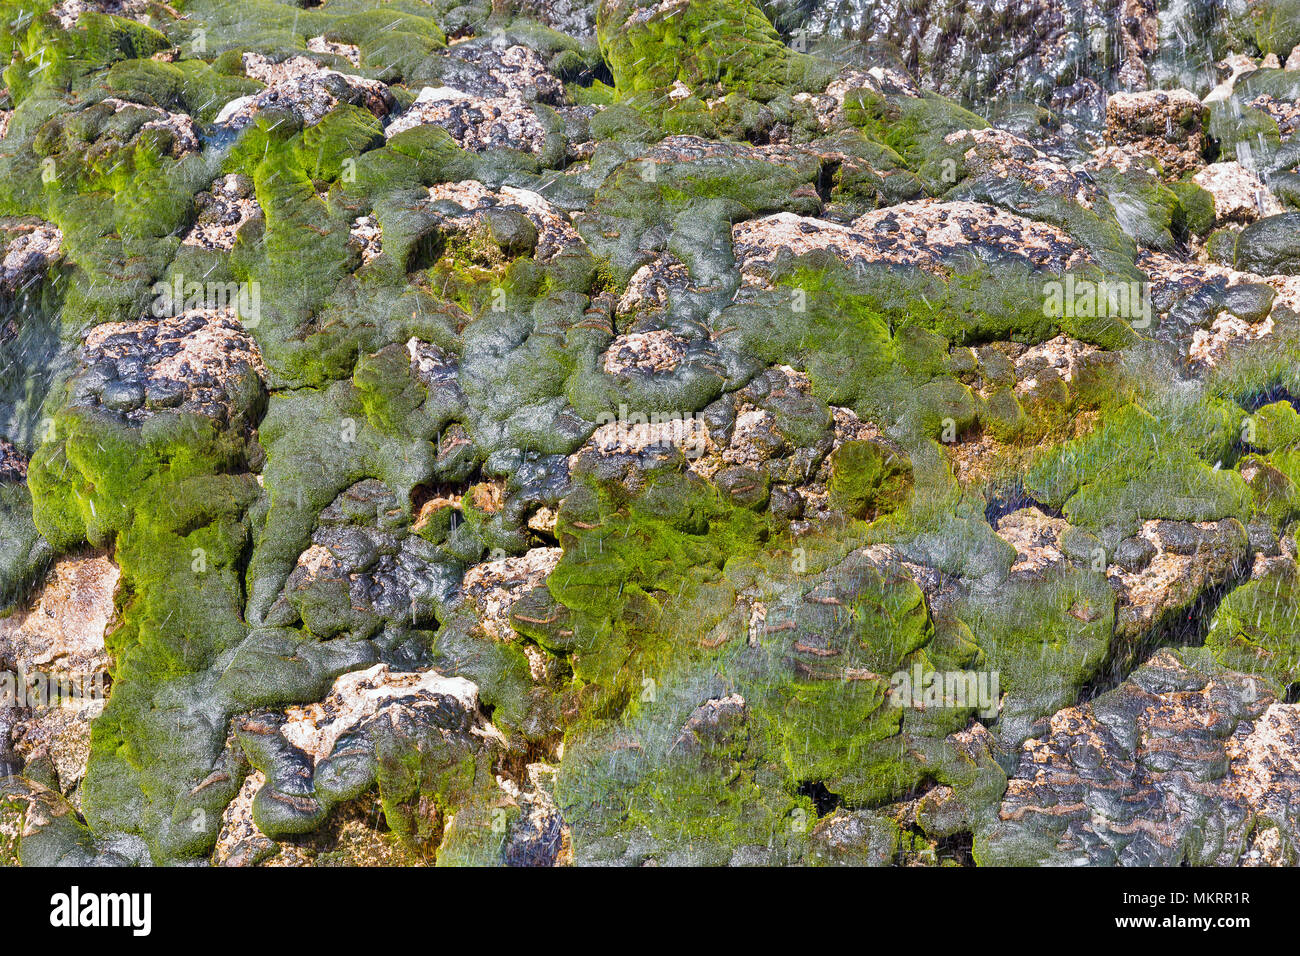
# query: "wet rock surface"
(648, 432)
(202, 361)
(301, 87)
(1181, 764)
(476, 122)
(57, 671)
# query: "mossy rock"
(868, 479)
(1255, 628)
(714, 47)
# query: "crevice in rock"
(823, 799)
(1005, 497)
(1183, 628)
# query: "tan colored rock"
(1036, 538)
(1239, 194)
(13, 464)
(1059, 358)
(356, 696)
(651, 285)
(1167, 124)
(915, 233)
(28, 249)
(1176, 573)
(239, 841)
(63, 631)
(1235, 66)
(354, 836)
(184, 134)
(56, 649)
(200, 360)
(474, 122)
(348, 51)
(492, 587)
(1004, 155)
(304, 87)
(67, 11)
(60, 735)
(231, 203)
(1208, 346)
(367, 236)
(1285, 112)
(645, 352)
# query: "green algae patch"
(868, 479)
(715, 757)
(170, 500)
(1137, 466)
(876, 339)
(192, 86)
(318, 443)
(714, 47)
(913, 128)
(1255, 628)
(26, 551)
(40, 52)
(1273, 426)
(1046, 638)
(624, 555)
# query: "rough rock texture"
(229, 204)
(475, 122)
(1179, 764)
(54, 651)
(29, 250)
(1167, 125)
(301, 87)
(201, 361)
(64, 628)
(924, 233)
(651, 432)
(1239, 194)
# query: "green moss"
(1045, 638)
(713, 753)
(913, 127)
(1274, 484)
(1241, 128)
(26, 552)
(1195, 212)
(1273, 426)
(868, 479)
(714, 47)
(344, 133)
(1221, 246)
(623, 555)
(1266, 27)
(43, 54)
(190, 86)
(1141, 205)
(1255, 627)
(168, 500)
(1138, 466)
